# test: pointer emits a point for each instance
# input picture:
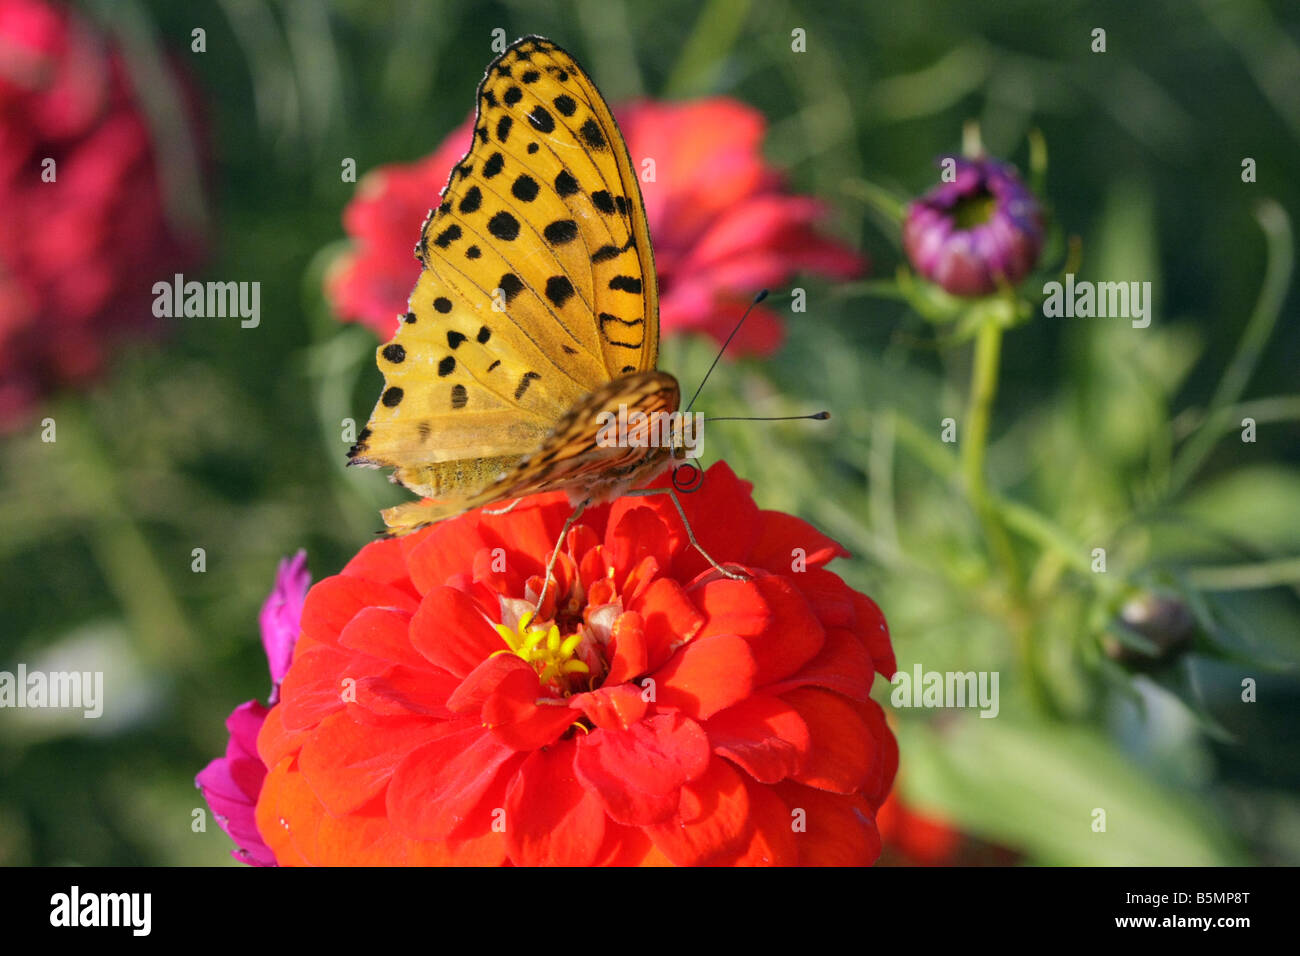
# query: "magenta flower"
(231, 784)
(973, 234)
(280, 616)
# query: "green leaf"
(1035, 788)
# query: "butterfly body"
(536, 312)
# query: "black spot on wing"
(559, 290)
(511, 286)
(592, 135)
(504, 226)
(525, 188)
(472, 199)
(524, 383)
(561, 231)
(395, 353)
(541, 119)
(392, 397)
(565, 184)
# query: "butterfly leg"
(555, 555)
(503, 511)
(690, 535)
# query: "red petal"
(438, 785)
(475, 689)
(770, 838)
(764, 735)
(313, 688)
(384, 561)
(347, 763)
(384, 633)
(771, 614)
(830, 597)
(515, 718)
(612, 708)
(527, 535)
(669, 619)
(637, 533)
(407, 691)
(780, 534)
(874, 631)
(840, 831)
(706, 676)
(552, 819)
(288, 815)
(275, 741)
(335, 601)
(885, 768)
(630, 656)
(638, 772)
(450, 631)
(843, 666)
(843, 748)
(731, 607)
(712, 817)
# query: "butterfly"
(535, 315)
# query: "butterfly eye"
(687, 478)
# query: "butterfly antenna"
(757, 299)
(815, 416)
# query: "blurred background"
(222, 155)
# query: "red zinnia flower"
(722, 224)
(663, 714)
(73, 251)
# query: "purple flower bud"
(972, 234)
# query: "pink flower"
(231, 784)
(722, 224)
(983, 229)
(78, 254)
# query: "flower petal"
(712, 817)
(706, 676)
(451, 632)
(764, 736)
(553, 819)
(638, 772)
(437, 785)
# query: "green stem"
(1247, 577)
(983, 388)
(1277, 279)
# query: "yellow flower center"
(542, 647)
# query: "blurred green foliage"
(228, 439)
